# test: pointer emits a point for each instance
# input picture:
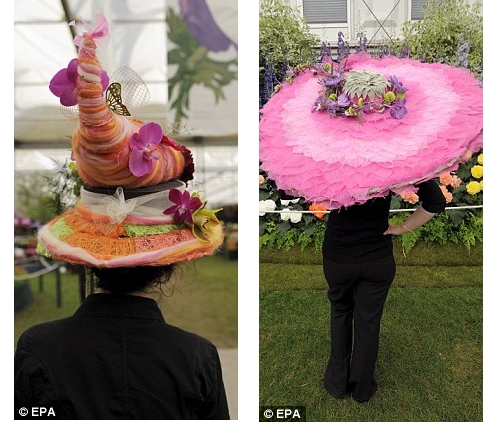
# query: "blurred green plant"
(284, 40)
(446, 29)
(32, 196)
(43, 195)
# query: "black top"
(116, 358)
(356, 234)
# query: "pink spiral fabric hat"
(134, 208)
(340, 156)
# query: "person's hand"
(395, 230)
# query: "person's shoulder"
(189, 336)
(41, 332)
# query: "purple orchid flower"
(143, 148)
(63, 84)
(203, 27)
(184, 206)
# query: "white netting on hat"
(134, 92)
(146, 208)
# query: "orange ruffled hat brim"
(73, 239)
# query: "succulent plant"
(365, 84)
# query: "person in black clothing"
(358, 264)
(117, 358)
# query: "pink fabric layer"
(342, 161)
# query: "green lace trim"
(134, 230)
(60, 229)
(41, 250)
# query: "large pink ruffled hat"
(134, 208)
(342, 134)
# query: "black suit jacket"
(116, 358)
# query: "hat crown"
(105, 149)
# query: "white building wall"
(378, 20)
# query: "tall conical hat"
(134, 207)
(103, 143)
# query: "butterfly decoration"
(114, 99)
(127, 88)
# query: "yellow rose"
(480, 159)
(477, 171)
(473, 187)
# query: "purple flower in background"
(63, 84)
(184, 206)
(143, 145)
(203, 27)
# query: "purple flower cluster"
(336, 102)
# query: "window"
(325, 11)
(417, 12)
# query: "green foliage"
(43, 195)
(284, 40)
(442, 229)
(34, 197)
(295, 226)
(445, 26)
(284, 35)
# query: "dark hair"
(122, 280)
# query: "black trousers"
(357, 294)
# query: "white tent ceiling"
(43, 44)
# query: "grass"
(430, 359)
(204, 301)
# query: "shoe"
(374, 389)
(344, 395)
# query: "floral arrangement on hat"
(355, 93)
(190, 210)
(349, 93)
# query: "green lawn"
(430, 358)
(204, 301)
